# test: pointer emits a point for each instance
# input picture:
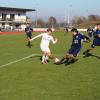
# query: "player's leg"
(43, 57)
(66, 57)
(46, 52)
(28, 41)
(42, 47)
(86, 52)
(71, 56)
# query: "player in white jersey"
(44, 45)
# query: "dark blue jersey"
(28, 30)
(90, 32)
(96, 33)
(77, 40)
(96, 41)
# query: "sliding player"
(44, 45)
(75, 48)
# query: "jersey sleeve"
(25, 29)
(31, 30)
(40, 35)
(85, 37)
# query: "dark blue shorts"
(95, 43)
(74, 51)
(29, 36)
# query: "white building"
(13, 18)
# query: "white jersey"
(45, 39)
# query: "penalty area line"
(10, 63)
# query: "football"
(56, 60)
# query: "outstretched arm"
(54, 41)
(36, 37)
(87, 38)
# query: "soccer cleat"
(70, 61)
(44, 63)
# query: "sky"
(56, 8)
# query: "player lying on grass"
(44, 45)
(96, 40)
(75, 48)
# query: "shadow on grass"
(91, 55)
(37, 56)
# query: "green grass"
(30, 80)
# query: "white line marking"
(10, 63)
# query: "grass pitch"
(28, 79)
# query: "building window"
(12, 17)
(4, 17)
(3, 25)
(19, 14)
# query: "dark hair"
(74, 30)
(49, 29)
(98, 23)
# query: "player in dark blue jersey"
(96, 40)
(75, 48)
(90, 32)
(28, 31)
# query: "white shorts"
(45, 48)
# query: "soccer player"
(66, 29)
(96, 40)
(90, 31)
(28, 31)
(75, 48)
(44, 45)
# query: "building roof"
(18, 9)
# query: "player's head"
(98, 26)
(74, 31)
(49, 31)
(28, 25)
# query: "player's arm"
(25, 29)
(36, 37)
(86, 38)
(32, 29)
(54, 41)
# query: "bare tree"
(93, 18)
(40, 22)
(52, 22)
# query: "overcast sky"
(56, 8)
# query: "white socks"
(44, 58)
